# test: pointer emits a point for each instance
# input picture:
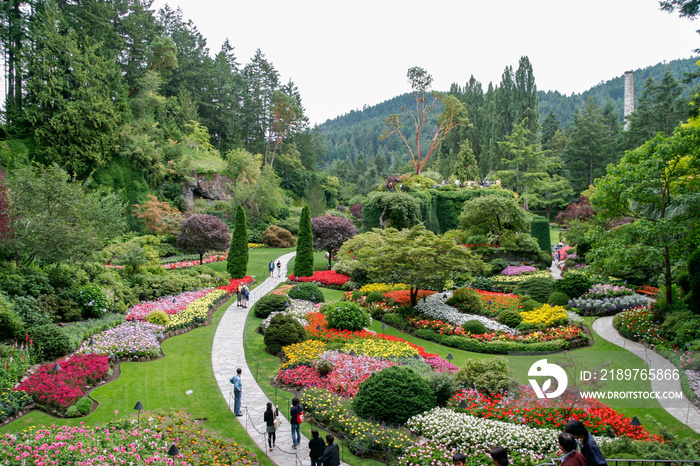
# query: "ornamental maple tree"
(202, 233)
(330, 232)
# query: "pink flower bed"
(59, 390)
(441, 365)
(344, 379)
(194, 263)
(170, 304)
(513, 270)
(326, 277)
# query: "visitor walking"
(238, 295)
(245, 295)
(271, 267)
(331, 454)
(316, 447)
(567, 445)
(459, 459)
(279, 268)
(271, 421)
(296, 418)
(589, 448)
(237, 391)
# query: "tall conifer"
(304, 265)
(237, 264)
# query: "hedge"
(492, 347)
(539, 230)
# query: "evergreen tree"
(466, 168)
(237, 262)
(550, 126)
(304, 264)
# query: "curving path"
(228, 353)
(681, 409)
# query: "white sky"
(343, 55)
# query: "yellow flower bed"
(545, 316)
(302, 353)
(380, 348)
(383, 287)
(256, 245)
(196, 311)
(513, 279)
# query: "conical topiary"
(304, 265)
(237, 263)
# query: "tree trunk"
(414, 296)
(200, 258)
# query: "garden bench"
(646, 289)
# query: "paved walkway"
(681, 409)
(228, 354)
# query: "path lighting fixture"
(444, 296)
(383, 326)
(313, 297)
(463, 404)
(635, 422)
(353, 353)
(449, 357)
(319, 328)
(92, 342)
(56, 368)
(173, 451)
(139, 408)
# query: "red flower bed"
(600, 419)
(326, 277)
(494, 302)
(403, 297)
(235, 282)
(59, 390)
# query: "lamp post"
(449, 357)
(56, 368)
(139, 408)
(173, 450)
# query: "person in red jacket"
(571, 457)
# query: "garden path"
(556, 271)
(681, 409)
(228, 353)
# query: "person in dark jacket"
(331, 454)
(269, 418)
(294, 421)
(316, 447)
(589, 449)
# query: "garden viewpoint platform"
(228, 353)
(681, 409)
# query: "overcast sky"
(343, 55)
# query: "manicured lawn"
(331, 294)
(258, 261)
(320, 262)
(555, 234)
(162, 384)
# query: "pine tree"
(237, 264)
(304, 265)
(466, 168)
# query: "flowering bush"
(529, 410)
(545, 316)
(128, 340)
(326, 277)
(639, 325)
(363, 436)
(607, 306)
(124, 442)
(57, 390)
(435, 308)
(383, 287)
(518, 270)
(235, 283)
(441, 365)
(607, 291)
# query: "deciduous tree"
(330, 232)
(202, 233)
(160, 217)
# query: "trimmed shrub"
(574, 285)
(467, 301)
(283, 330)
(374, 297)
(393, 396)
(304, 264)
(158, 317)
(538, 288)
(474, 327)
(356, 295)
(92, 300)
(11, 325)
(486, 375)
(308, 291)
(278, 237)
(346, 315)
(80, 408)
(498, 265)
(539, 229)
(51, 340)
(510, 318)
(557, 298)
(530, 304)
(270, 303)
(237, 262)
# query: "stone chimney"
(629, 97)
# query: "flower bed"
(529, 410)
(12, 401)
(403, 297)
(128, 340)
(364, 436)
(383, 287)
(235, 283)
(124, 442)
(639, 325)
(515, 279)
(545, 316)
(13, 367)
(185, 264)
(56, 391)
(607, 306)
(607, 291)
(196, 312)
(282, 290)
(381, 348)
(434, 307)
(299, 309)
(433, 454)
(495, 302)
(326, 278)
(170, 304)
(518, 270)
(302, 353)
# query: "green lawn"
(555, 234)
(258, 261)
(320, 262)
